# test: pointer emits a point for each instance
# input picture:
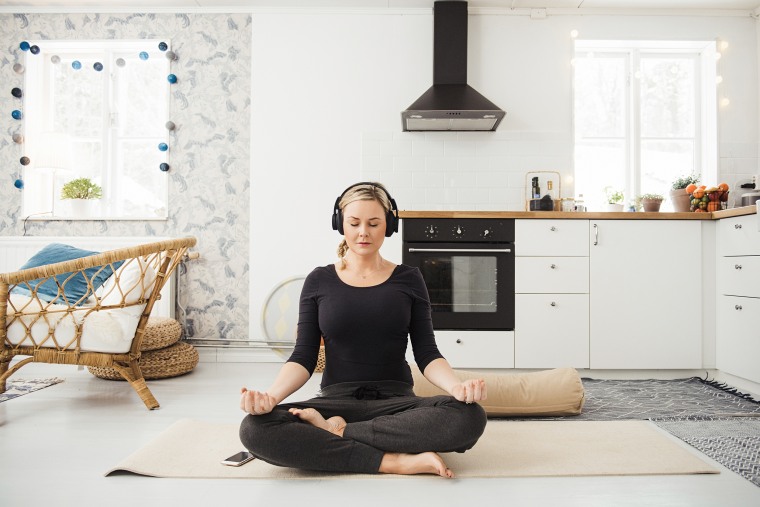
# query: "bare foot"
(410, 464)
(334, 425)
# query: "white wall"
(328, 89)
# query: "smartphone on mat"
(238, 459)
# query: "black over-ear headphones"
(391, 216)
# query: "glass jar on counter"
(568, 204)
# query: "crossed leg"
(392, 463)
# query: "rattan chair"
(31, 326)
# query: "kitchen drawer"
(738, 344)
(739, 276)
(540, 275)
(551, 330)
(560, 237)
(739, 235)
(477, 349)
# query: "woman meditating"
(366, 418)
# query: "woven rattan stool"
(160, 333)
(162, 354)
(172, 361)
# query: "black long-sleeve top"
(365, 329)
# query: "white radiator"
(16, 250)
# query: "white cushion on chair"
(103, 331)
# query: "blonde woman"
(366, 418)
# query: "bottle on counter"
(579, 204)
(535, 188)
(550, 193)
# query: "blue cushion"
(75, 289)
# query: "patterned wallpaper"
(209, 180)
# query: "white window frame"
(705, 141)
(41, 193)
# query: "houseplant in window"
(651, 202)
(614, 199)
(83, 194)
(680, 196)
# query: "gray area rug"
(656, 399)
(20, 387)
(717, 420)
(733, 442)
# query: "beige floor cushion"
(543, 393)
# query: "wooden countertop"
(593, 215)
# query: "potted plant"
(614, 199)
(82, 192)
(678, 195)
(651, 202)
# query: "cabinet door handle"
(737, 226)
(738, 307)
(459, 340)
(596, 234)
(554, 303)
(553, 266)
(737, 266)
(553, 228)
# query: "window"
(644, 114)
(97, 110)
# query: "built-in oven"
(469, 269)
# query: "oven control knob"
(431, 231)
(458, 231)
(487, 233)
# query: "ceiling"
(581, 5)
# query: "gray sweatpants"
(381, 417)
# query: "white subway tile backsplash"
(396, 180)
(473, 164)
(506, 163)
(427, 148)
(441, 196)
(738, 150)
(494, 148)
(493, 179)
(427, 180)
(465, 170)
(440, 164)
(459, 148)
(376, 163)
(472, 196)
(460, 180)
(746, 165)
(408, 164)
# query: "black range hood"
(451, 104)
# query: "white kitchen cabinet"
(738, 334)
(559, 237)
(551, 294)
(477, 349)
(536, 275)
(739, 235)
(738, 344)
(552, 330)
(645, 294)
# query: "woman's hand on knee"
(470, 391)
(256, 402)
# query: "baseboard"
(237, 355)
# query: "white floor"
(56, 444)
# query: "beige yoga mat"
(191, 448)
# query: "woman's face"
(364, 226)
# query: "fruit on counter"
(708, 199)
(691, 188)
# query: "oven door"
(471, 285)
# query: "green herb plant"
(81, 188)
